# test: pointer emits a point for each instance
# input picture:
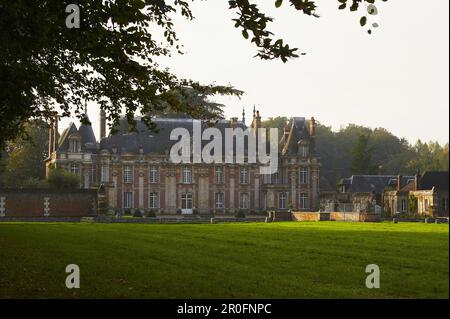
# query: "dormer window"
(303, 148)
(75, 144)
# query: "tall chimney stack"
(312, 127)
(399, 182)
(55, 132)
(102, 124)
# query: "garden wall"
(44, 203)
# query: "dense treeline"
(361, 150)
(351, 150)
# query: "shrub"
(179, 211)
(127, 212)
(103, 207)
(195, 211)
(151, 213)
(240, 214)
(137, 213)
(58, 178)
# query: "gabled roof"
(298, 131)
(372, 183)
(437, 179)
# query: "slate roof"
(298, 131)
(372, 183)
(437, 179)
(156, 142)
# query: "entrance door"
(186, 203)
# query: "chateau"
(135, 171)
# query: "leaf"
(278, 3)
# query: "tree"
(45, 66)
(23, 160)
(362, 156)
(58, 178)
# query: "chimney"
(50, 140)
(399, 182)
(55, 132)
(286, 131)
(258, 120)
(102, 124)
(233, 122)
(312, 127)
(417, 181)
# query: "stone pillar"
(46, 206)
(2, 206)
(293, 202)
(141, 191)
(257, 201)
(86, 179)
(231, 192)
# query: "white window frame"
(304, 176)
(219, 178)
(127, 201)
(218, 199)
(243, 175)
(154, 174)
(244, 201)
(104, 174)
(282, 200)
(128, 174)
(75, 169)
(187, 175)
(403, 205)
(304, 201)
(186, 199)
(153, 200)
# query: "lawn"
(233, 260)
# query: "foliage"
(240, 214)
(151, 213)
(137, 213)
(362, 156)
(412, 204)
(111, 59)
(58, 178)
(22, 164)
(391, 155)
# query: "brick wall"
(47, 203)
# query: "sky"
(396, 78)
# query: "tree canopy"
(111, 58)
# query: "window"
(104, 173)
(154, 174)
(187, 175)
(303, 200)
(219, 174)
(219, 200)
(93, 175)
(426, 205)
(127, 200)
(75, 169)
(154, 200)
(186, 201)
(403, 205)
(243, 176)
(445, 204)
(74, 145)
(303, 150)
(304, 174)
(282, 200)
(243, 202)
(127, 174)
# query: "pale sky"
(396, 78)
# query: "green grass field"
(236, 260)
